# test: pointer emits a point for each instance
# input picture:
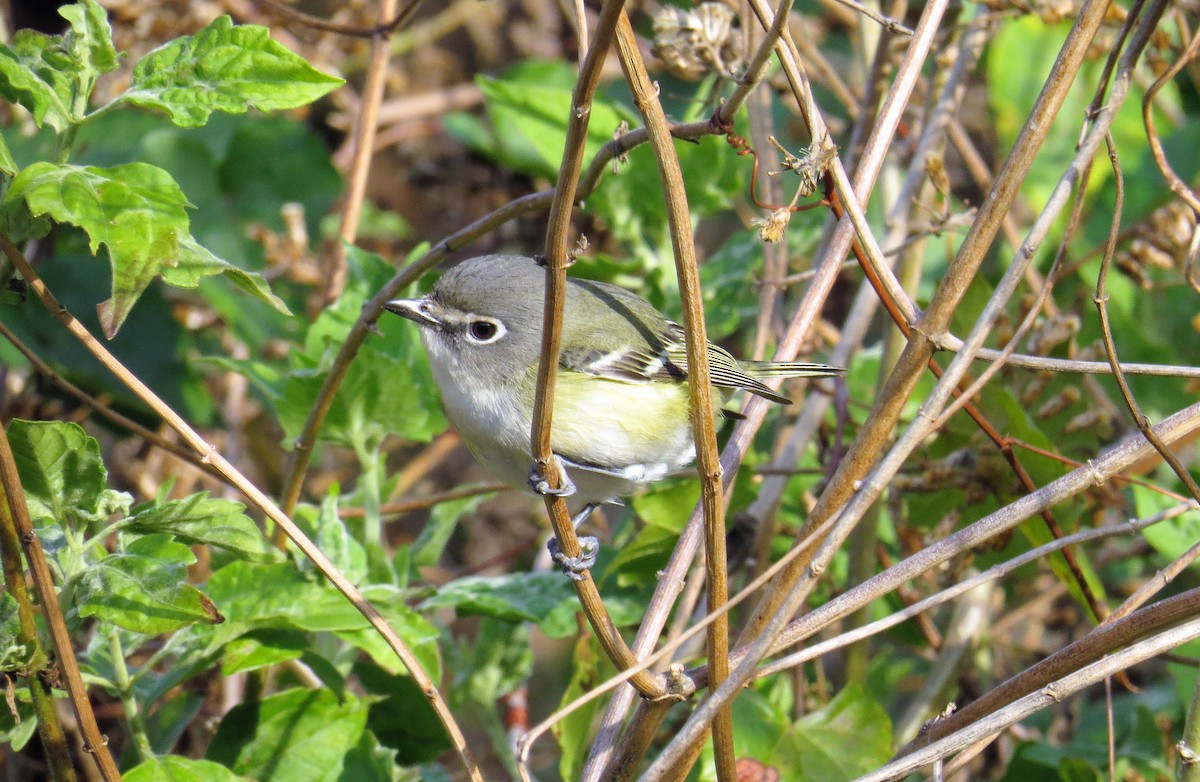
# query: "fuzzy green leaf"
(196, 262)
(519, 597)
(173, 768)
(61, 471)
(224, 68)
(297, 736)
(208, 520)
(53, 75)
(145, 589)
(89, 42)
(7, 164)
(135, 210)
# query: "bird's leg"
(541, 486)
(589, 547)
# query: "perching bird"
(621, 409)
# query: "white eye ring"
(485, 331)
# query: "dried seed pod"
(1037, 384)
(1051, 333)
(694, 43)
(1160, 241)
(1059, 402)
(1098, 419)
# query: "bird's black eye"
(483, 330)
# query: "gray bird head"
(483, 318)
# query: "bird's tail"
(763, 369)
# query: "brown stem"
(699, 388)
(556, 261)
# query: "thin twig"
(699, 388)
(366, 126)
(1106, 335)
(556, 261)
(387, 25)
(155, 439)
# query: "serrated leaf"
(145, 589)
(402, 717)
(208, 521)
(61, 471)
(135, 210)
(295, 736)
(7, 164)
(257, 596)
(14, 654)
(34, 73)
(378, 396)
(89, 42)
(174, 768)
(279, 596)
(334, 539)
(224, 68)
(195, 263)
(849, 737)
(517, 597)
(417, 632)
(53, 75)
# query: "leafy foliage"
(158, 158)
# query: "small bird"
(621, 407)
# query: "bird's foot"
(541, 486)
(575, 567)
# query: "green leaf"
(208, 521)
(516, 597)
(295, 736)
(136, 210)
(7, 164)
(530, 120)
(173, 768)
(574, 732)
(17, 726)
(276, 596)
(224, 68)
(53, 75)
(369, 761)
(851, 736)
(417, 632)
(261, 649)
(171, 717)
(331, 536)
(402, 718)
(145, 589)
(443, 520)
(61, 471)
(89, 42)
(14, 654)
(379, 396)
(281, 597)
(33, 74)
(196, 262)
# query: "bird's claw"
(541, 486)
(575, 567)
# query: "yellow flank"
(637, 422)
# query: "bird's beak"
(420, 311)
